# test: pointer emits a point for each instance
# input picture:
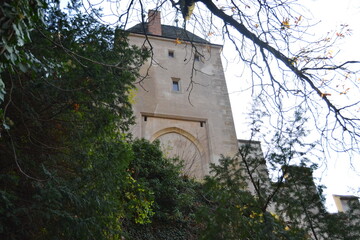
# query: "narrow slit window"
(171, 53)
(176, 86)
(145, 118)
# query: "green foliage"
(233, 212)
(345, 226)
(175, 197)
(17, 19)
(236, 202)
(294, 196)
(301, 202)
(139, 201)
(64, 159)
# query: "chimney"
(154, 22)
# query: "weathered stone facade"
(183, 101)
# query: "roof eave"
(169, 38)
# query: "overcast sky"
(339, 176)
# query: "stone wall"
(198, 112)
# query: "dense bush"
(63, 146)
(175, 196)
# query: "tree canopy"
(63, 147)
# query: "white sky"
(339, 177)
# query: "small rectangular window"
(197, 58)
(171, 53)
(175, 86)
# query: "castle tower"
(183, 101)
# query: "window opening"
(175, 86)
(171, 53)
(145, 118)
(197, 57)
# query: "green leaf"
(19, 34)
(6, 127)
(22, 67)
(2, 91)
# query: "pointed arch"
(183, 133)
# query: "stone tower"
(183, 101)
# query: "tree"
(176, 197)
(233, 212)
(243, 203)
(65, 154)
(17, 19)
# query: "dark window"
(171, 53)
(197, 57)
(145, 118)
(175, 86)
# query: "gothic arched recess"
(176, 142)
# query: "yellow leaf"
(293, 60)
(330, 54)
(325, 94)
(178, 41)
(285, 24)
(345, 91)
(275, 216)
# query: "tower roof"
(170, 32)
